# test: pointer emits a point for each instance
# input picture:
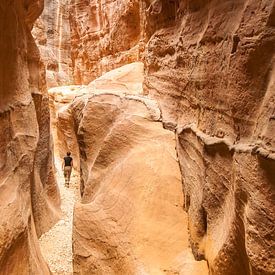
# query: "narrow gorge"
(168, 110)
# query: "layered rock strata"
(210, 67)
(29, 197)
(130, 220)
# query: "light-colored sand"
(56, 244)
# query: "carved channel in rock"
(131, 193)
(174, 153)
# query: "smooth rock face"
(209, 66)
(29, 197)
(127, 79)
(105, 35)
(130, 220)
(212, 72)
(53, 36)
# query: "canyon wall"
(53, 37)
(212, 72)
(29, 198)
(105, 35)
(130, 219)
(210, 67)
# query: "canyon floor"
(56, 244)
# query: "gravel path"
(56, 244)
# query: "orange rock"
(210, 65)
(131, 219)
(105, 35)
(52, 34)
(29, 197)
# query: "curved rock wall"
(130, 219)
(29, 197)
(212, 71)
(210, 66)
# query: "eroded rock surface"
(105, 35)
(127, 79)
(29, 197)
(210, 66)
(212, 72)
(209, 76)
(130, 220)
(53, 36)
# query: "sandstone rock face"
(130, 220)
(105, 35)
(211, 68)
(29, 197)
(53, 36)
(209, 76)
(131, 188)
(127, 79)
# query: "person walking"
(67, 168)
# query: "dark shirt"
(68, 161)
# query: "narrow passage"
(56, 244)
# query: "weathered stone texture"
(105, 35)
(29, 197)
(212, 72)
(53, 36)
(130, 219)
(210, 66)
(209, 77)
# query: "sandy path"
(56, 244)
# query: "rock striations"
(212, 72)
(130, 220)
(189, 120)
(29, 198)
(210, 67)
(105, 35)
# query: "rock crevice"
(132, 199)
